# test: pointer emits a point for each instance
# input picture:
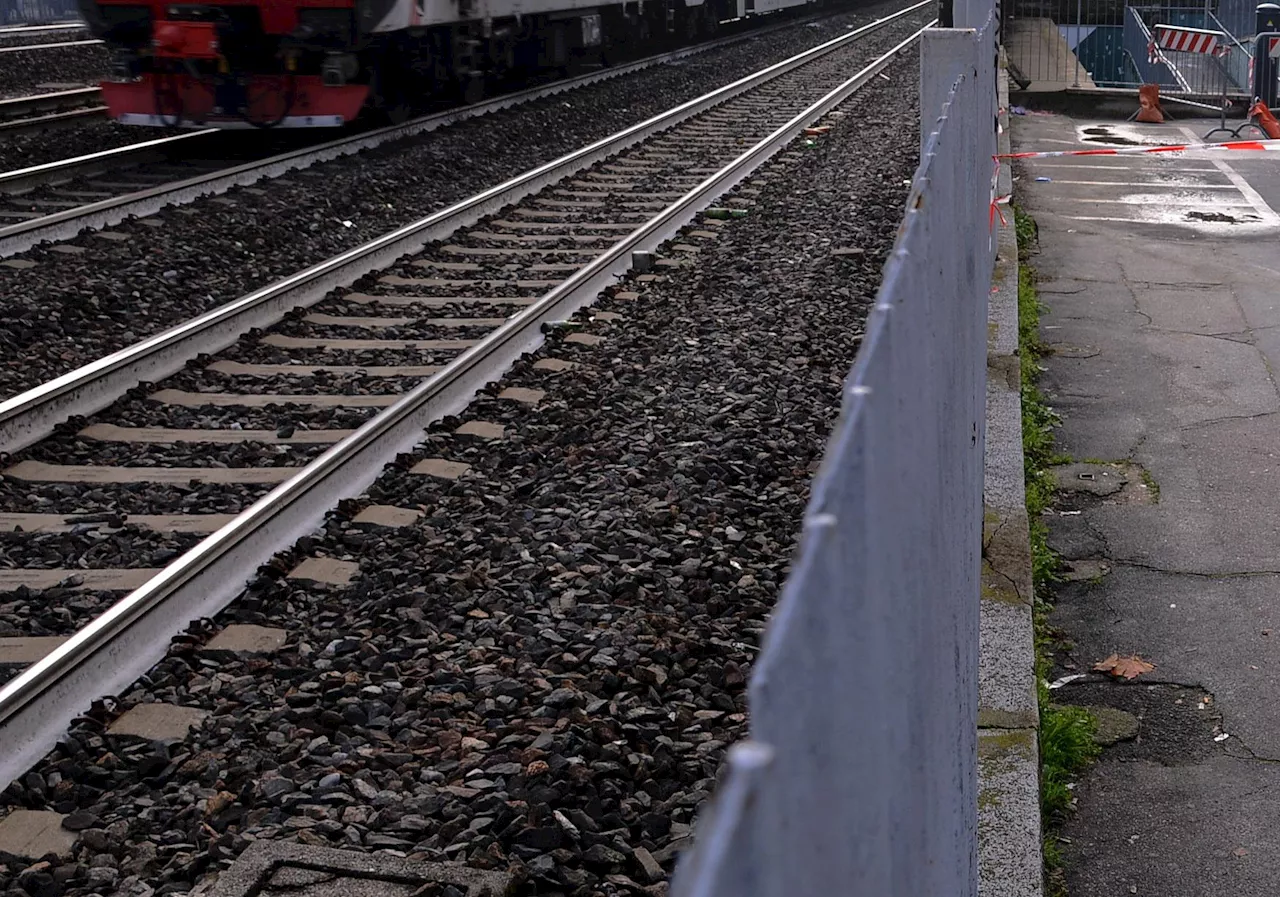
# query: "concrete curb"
(1009, 835)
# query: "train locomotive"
(325, 63)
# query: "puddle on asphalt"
(1122, 135)
(1104, 135)
(1218, 217)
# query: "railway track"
(50, 45)
(58, 200)
(17, 36)
(44, 111)
(296, 396)
(44, 64)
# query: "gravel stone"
(34, 71)
(26, 148)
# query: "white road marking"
(1112, 167)
(1180, 185)
(1206, 203)
(1255, 199)
(1223, 226)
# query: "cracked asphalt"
(1166, 331)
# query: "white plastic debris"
(1058, 683)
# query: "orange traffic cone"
(1261, 116)
(1149, 100)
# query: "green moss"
(1027, 231)
(1055, 880)
(1153, 488)
(1038, 421)
(1066, 734)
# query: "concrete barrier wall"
(860, 777)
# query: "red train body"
(323, 63)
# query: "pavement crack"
(1217, 420)
(1183, 285)
(1198, 574)
(1243, 338)
(1250, 754)
(1013, 585)
(1133, 297)
(1131, 457)
(988, 538)
(1100, 536)
(1077, 395)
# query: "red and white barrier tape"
(996, 200)
(1234, 145)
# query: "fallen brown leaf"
(1128, 667)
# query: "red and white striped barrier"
(1190, 40)
(1236, 145)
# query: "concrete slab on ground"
(279, 867)
(21, 650)
(1162, 280)
(32, 834)
(246, 638)
(158, 722)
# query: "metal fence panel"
(1137, 42)
(38, 12)
(860, 777)
(1238, 17)
(1056, 44)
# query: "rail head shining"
(22, 48)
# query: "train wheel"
(471, 88)
(710, 18)
(391, 101)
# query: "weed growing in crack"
(1027, 232)
(1038, 421)
(1153, 488)
(1066, 747)
(1066, 733)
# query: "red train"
(323, 63)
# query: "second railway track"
(26, 35)
(373, 346)
(57, 200)
(43, 111)
(50, 66)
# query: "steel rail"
(44, 102)
(18, 48)
(64, 225)
(53, 119)
(15, 30)
(63, 170)
(114, 649)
